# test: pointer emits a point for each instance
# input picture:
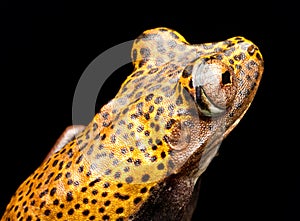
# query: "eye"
(214, 86)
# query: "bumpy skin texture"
(142, 154)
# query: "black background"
(45, 47)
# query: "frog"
(142, 155)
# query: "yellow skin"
(142, 154)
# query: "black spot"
(105, 217)
(170, 123)
(107, 171)
(149, 97)
(219, 57)
(80, 169)
(137, 162)
(59, 215)
(95, 181)
(133, 116)
(123, 150)
(147, 133)
(103, 137)
(68, 175)
(158, 142)
(258, 56)
(70, 211)
(134, 55)
(43, 193)
(83, 189)
(79, 159)
(83, 147)
(55, 163)
(158, 100)
(145, 177)
(95, 126)
(95, 192)
(77, 206)
(53, 191)
(41, 175)
(56, 202)
(137, 200)
(69, 196)
(151, 108)
(130, 125)
(117, 175)
(107, 203)
(106, 185)
(140, 128)
(70, 153)
(42, 204)
(253, 85)
(125, 110)
(47, 212)
(171, 164)
(92, 218)
(238, 67)
(129, 179)
(119, 210)
(160, 166)
(145, 52)
(160, 110)
(40, 184)
(121, 197)
(174, 35)
(85, 200)
(143, 190)
(113, 138)
(91, 149)
(153, 158)
(94, 201)
(119, 185)
(85, 212)
(238, 105)
(104, 194)
(68, 164)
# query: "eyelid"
(205, 105)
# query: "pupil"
(226, 78)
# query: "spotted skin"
(141, 155)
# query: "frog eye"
(214, 86)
